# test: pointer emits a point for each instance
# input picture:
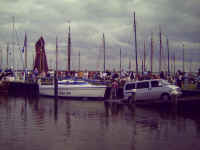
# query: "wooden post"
(55, 109)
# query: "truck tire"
(165, 97)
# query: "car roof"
(143, 81)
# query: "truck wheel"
(165, 97)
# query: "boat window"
(130, 86)
(155, 84)
(142, 85)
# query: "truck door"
(142, 91)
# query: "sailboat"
(73, 88)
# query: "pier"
(17, 88)
(189, 97)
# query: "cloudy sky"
(89, 19)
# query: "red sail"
(40, 58)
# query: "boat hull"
(74, 91)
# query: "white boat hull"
(73, 91)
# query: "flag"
(25, 43)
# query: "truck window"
(154, 84)
(142, 85)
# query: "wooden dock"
(192, 99)
(17, 88)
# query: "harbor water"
(48, 124)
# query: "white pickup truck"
(150, 89)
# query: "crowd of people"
(179, 78)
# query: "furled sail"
(40, 59)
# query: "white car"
(150, 89)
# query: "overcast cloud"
(89, 19)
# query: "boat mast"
(120, 66)
(183, 59)
(33, 58)
(69, 50)
(168, 56)
(56, 54)
(174, 63)
(160, 60)
(144, 57)
(136, 61)
(104, 54)
(13, 42)
(152, 53)
(129, 65)
(1, 61)
(25, 50)
(79, 65)
(7, 53)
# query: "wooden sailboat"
(40, 59)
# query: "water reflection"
(45, 123)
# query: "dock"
(18, 88)
(189, 97)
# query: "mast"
(129, 64)
(120, 66)
(160, 59)
(190, 68)
(136, 61)
(7, 53)
(183, 59)
(144, 57)
(56, 54)
(174, 63)
(142, 66)
(168, 56)
(1, 57)
(41, 57)
(25, 50)
(33, 63)
(152, 53)
(104, 55)
(79, 61)
(13, 42)
(69, 50)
